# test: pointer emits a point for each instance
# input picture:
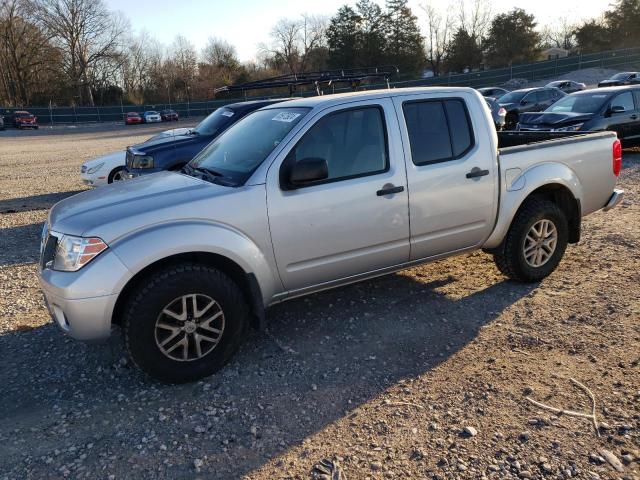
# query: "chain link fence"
(616, 59)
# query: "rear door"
(357, 220)
(452, 179)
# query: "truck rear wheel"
(535, 242)
(184, 322)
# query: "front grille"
(49, 250)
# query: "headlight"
(570, 128)
(73, 253)
(95, 169)
(142, 161)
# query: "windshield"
(236, 153)
(585, 103)
(620, 76)
(512, 97)
(216, 122)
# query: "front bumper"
(82, 303)
(94, 179)
(616, 197)
(131, 173)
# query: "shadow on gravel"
(324, 355)
(35, 202)
(20, 244)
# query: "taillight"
(502, 112)
(617, 157)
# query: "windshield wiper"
(208, 173)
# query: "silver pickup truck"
(308, 195)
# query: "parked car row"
(150, 116)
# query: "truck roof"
(337, 98)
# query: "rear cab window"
(439, 130)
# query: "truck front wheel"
(535, 242)
(184, 322)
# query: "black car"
(623, 78)
(567, 86)
(614, 108)
(1, 122)
(493, 92)
(169, 115)
(173, 151)
(528, 100)
(497, 113)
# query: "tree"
(371, 40)
(295, 44)
(342, 38)
(560, 34)
(86, 33)
(593, 36)
(404, 43)
(438, 33)
(464, 51)
(183, 63)
(28, 60)
(512, 38)
(623, 23)
(474, 17)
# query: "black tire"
(511, 261)
(149, 300)
(113, 173)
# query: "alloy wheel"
(540, 243)
(189, 327)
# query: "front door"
(347, 224)
(624, 123)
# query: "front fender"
(514, 191)
(143, 248)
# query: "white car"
(104, 170)
(110, 168)
(151, 117)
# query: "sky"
(247, 23)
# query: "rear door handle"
(476, 172)
(389, 189)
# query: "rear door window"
(438, 130)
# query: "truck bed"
(513, 138)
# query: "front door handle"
(389, 189)
(634, 117)
(476, 172)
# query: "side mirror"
(616, 109)
(524, 101)
(307, 171)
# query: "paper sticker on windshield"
(227, 113)
(287, 117)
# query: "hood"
(610, 82)
(114, 210)
(110, 158)
(549, 118)
(162, 142)
(508, 106)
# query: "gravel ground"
(421, 374)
